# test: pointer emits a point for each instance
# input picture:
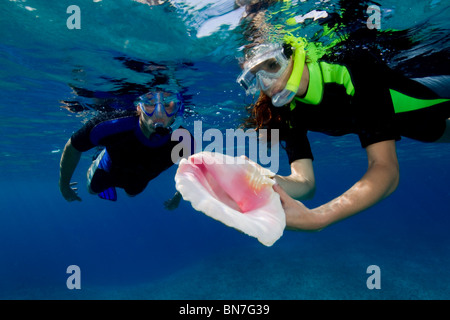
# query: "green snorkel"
(288, 93)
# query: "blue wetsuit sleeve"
(81, 139)
(101, 126)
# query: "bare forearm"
(380, 180)
(300, 184)
(378, 183)
(299, 189)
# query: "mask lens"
(271, 65)
(246, 79)
(170, 107)
(168, 102)
(171, 104)
(265, 82)
(148, 107)
(272, 71)
(265, 68)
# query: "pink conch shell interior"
(235, 191)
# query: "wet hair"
(263, 115)
(287, 50)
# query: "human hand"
(69, 192)
(298, 216)
(174, 202)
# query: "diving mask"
(267, 64)
(169, 103)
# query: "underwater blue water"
(134, 248)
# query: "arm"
(69, 161)
(380, 180)
(300, 184)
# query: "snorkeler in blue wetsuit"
(137, 147)
(358, 95)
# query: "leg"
(134, 185)
(92, 169)
(90, 175)
(98, 179)
(445, 138)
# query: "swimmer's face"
(280, 83)
(158, 119)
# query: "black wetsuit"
(364, 97)
(135, 160)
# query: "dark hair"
(263, 115)
(287, 50)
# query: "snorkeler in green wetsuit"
(359, 95)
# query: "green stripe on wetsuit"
(404, 103)
(323, 72)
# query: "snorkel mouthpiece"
(288, 93)
(160, 130)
